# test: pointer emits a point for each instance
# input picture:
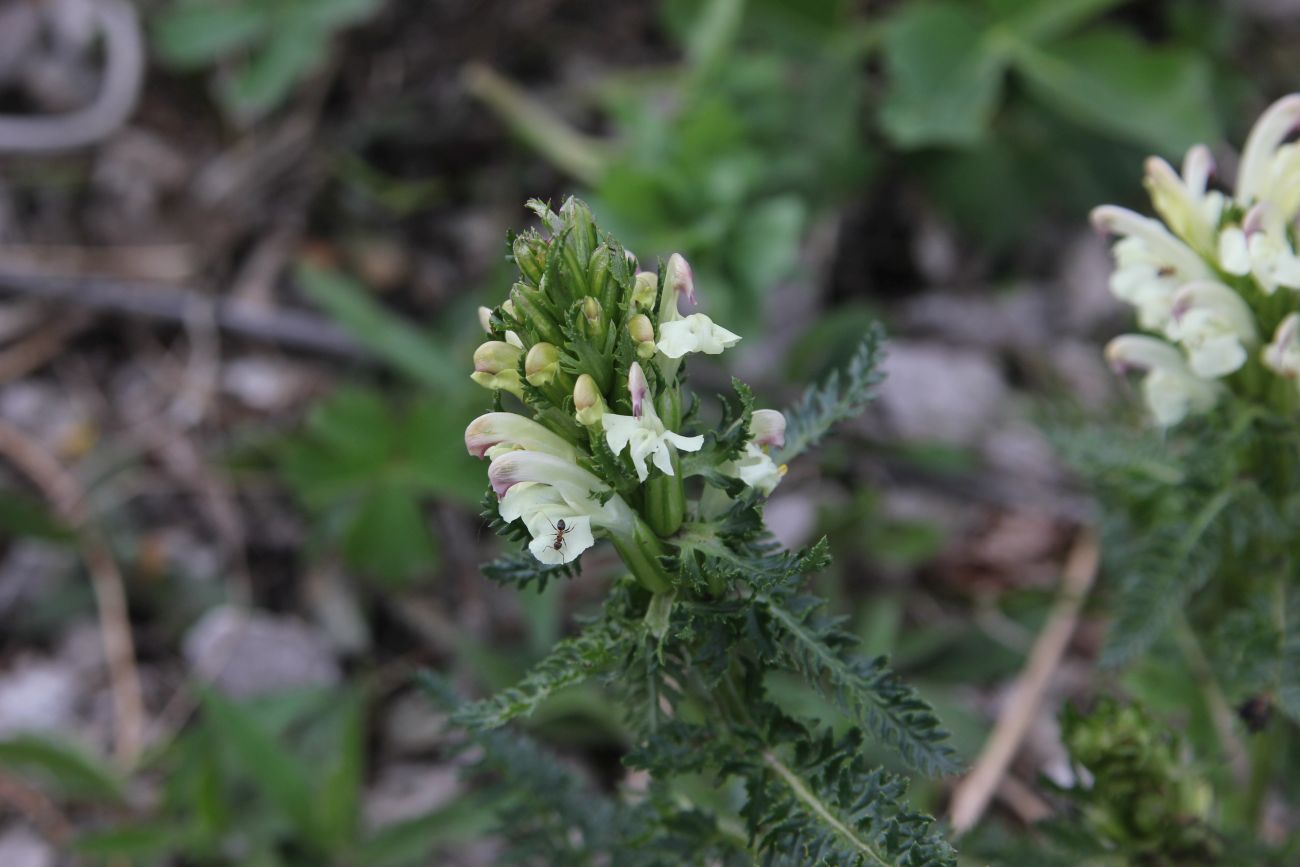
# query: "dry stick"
(975, 791)
(38, 809)
(118, 94)
(58, 486)
(178, 305)
(39, 347)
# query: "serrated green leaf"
(328, 14)
(945, 77)
(68, 769)
(1111, 81)
(265, 79)
(842, 396)
(389, 536)
(196, 34)
(571, 661)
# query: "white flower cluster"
(1219, 273)
(543, 478)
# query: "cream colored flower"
(1185, 201)
(694, 333)
(1151, 264)
(643, 434)
(1282, 356)
(1170, 389)
(1215, 327)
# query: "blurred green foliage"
(274, 782)
(364, 464)
(264, 48)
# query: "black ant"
(560, 529)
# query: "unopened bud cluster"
(585, 361)
(1217, 280)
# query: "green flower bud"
(588, 403)
(526, 306)
(541, 364)
(530, 255)
(591, 310)
(600, 282)
(495, 356)
(643, 334)
(575, 213)
(645, 290)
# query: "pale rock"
(937, 393)
(249, 653)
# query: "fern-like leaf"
(866, 690)
(842, 396)
(571, 661)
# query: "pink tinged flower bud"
(495, 356)
(541, 364)
(588, 403)
(507, 428)
(1282, 356)
(767, 426)
(638, 388)
(485, 319)
(645, 290)
(678, 282)
(679, 277)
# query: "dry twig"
(178, 305)
(63, 492)
(123, 77)
(975, 791)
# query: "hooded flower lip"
(1215, 326)
(679, 281)
(1152, 263)
(757, 469)
(1282, 356)
(1185, 201)
(1171, 389)
(1264, 154)
(560, 532)
(767, 427)
(1112, 219)
(642, 433)
(571, 483)
(497, 428)
(1261, 247)
(694, 333)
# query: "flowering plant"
(593, 435)
(1216, 279)
(1199, 522)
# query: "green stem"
(665, 496)
(819, 808)
(581, 156)
(1216, 704)
(641, 555)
